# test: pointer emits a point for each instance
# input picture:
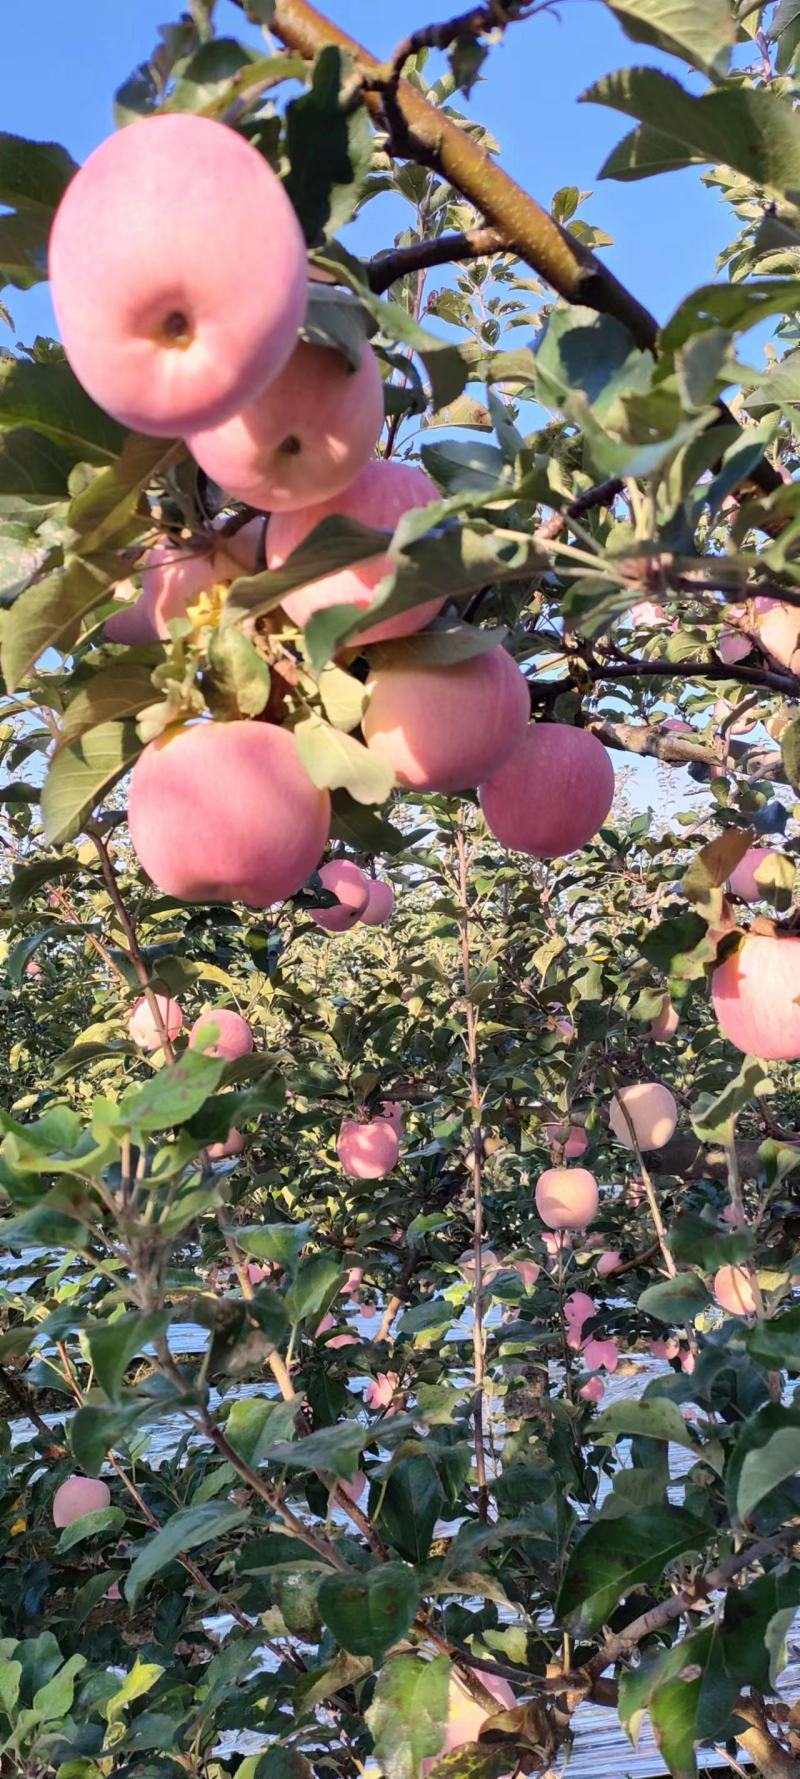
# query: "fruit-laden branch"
(385, 269)
(434, 139)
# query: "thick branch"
(386, 268)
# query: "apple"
(756, 997)
(77, 1496)
(225, 812)
(314, 427)
(235, 1037)
(733, 1290)
(567, 1197)
(233, 1145)
(652, 1111)
(368, 1151)
(178, 273)
(143, 1026)
(380, 495)
(666, 1021)
(552, 794)
(742, 881)
(447, 728)
(350, 886)
(380, 903)
(571, 1138)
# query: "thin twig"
(475, 1164)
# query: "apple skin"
(346, 881)
(142, 251)
(553, 793)
(233, 1145)
(755, 996)
(734, 1292)
(380, 903)
(235, 1035)
(742, 881)
(380, 495)
(143, 1028)
(77, 1496)
(652, 1110)
(368, 1151)
(666, 1022)
(465, 1717)
(315, 426)
(566, 1197)
(225, 812)
(446, 728)
(571, 1138)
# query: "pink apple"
(447, 728)
(552, 794)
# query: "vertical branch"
(134, 949)
(475, 1162)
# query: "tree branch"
(475, 1162)
(385, 269)
(494, 16)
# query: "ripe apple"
(567, 1197)
(225, 812)
(652, 1111)
(380, 903)
(666, 1021)
(733, 1290)
(178, 271)
(368, 1151)
(235, 1037)
(756, 997)
(314, 427)
(742, 881)
(571, 1138)
(143, 1026)
(233, 1145)
(77, 1496)
(350, 886)
(447, 728)
(552, 794)
(379, 497)
(465, 1717)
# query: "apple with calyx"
(141, 254)
(652, 1111)
(756, 996)
(552, 794)
(234, 1035)
(368, 1151)
(226, 812)
(567, 1197)
(447, 728)
(350, 886)
(315, 426)
(379, 497)
(143, 1025)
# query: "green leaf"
(329, 147)
(413, 1499)
(53, 1701)
(408, 1713)
(173, 1095)
(712, 866)
(357, 825)
(763, 1470)
(114, 1344)
(188, 1528)
(283, 1242)
(679, 946)
(91, 1526)
(776, 1344)
(591, 354)
(702, 34)
(33, 471)
(254, 1424)
(448, 366)
(447, 640)
(80, 776)
(10, 1677)
(137, 1683)
(94, 1431)
(689, 1694)
(756, 1433)
(740, 126)
(337, 319)
(335, 1449)
(111, 695)
(756, 1620)
(33, 175)
(616, 1555)
(369, 1613)
(49, 398)
(675, 1300)
(653, 1418)
(790, 752)
(23, 249)
(698, 1241)
(100, 515)
(344, 698)
(714, 1116)
(240, 674)
(313, 1288)
(48, 614)
(335, 761)
(730, 306)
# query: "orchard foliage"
(351, 1426)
